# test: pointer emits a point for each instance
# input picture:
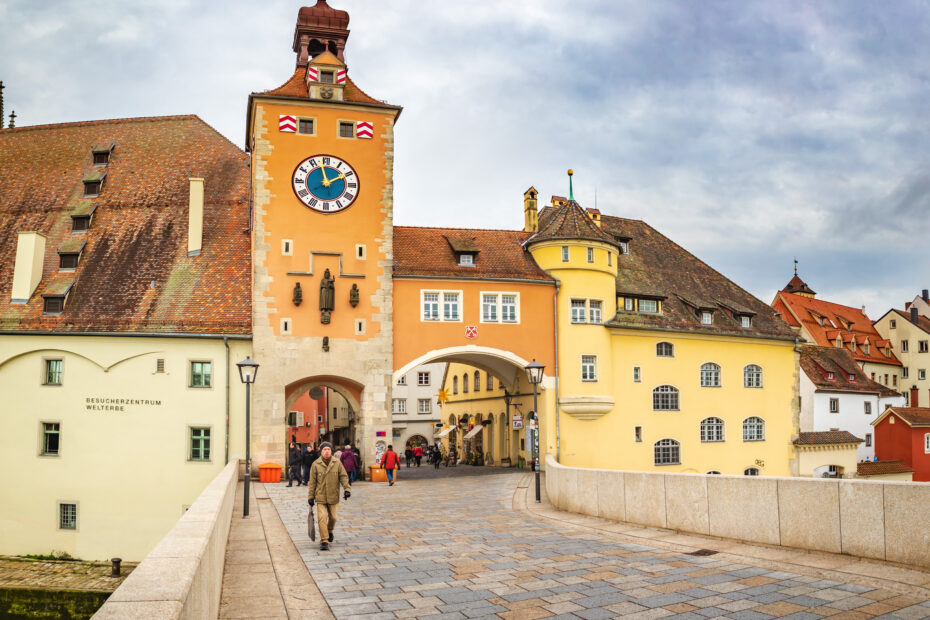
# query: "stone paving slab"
(16, 572)
(472, 543)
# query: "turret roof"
(797, 285)
(569, 222)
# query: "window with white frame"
(448, 301)
(710, 375)
(589, 368)
(628, 303)
(53, 372)
(422, 378)
(922, 346)
(892, 324)
(430, 306)
(751, 471)
(834, 405)
(905, 373)
(665, 398)
(499, 307)
(745, 321)
(399, 405)
(590, 255)
(594, 311)
(450, 306)
(667, 452)
(711, 429)
(904, 346)
(665, 349)
(564, 253)
(466, 260)
(927, 443)
(423, 405)
(752, 376)
(868, 440)
(51, 438)
(489, 308)
(637, 374)
(753, 429)
(706, 318)
(650, 306)
(921, 374)
(578, 310)
(509, 308)
(867, 408)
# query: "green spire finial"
(571, 192)
(795, 266)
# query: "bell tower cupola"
(320, 28)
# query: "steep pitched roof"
(922, 321)
(569, 222)
(823, 320)
(658, 267)
(134, 274)
(913, 416)
(429, 252)
(296, 86)
(878, 468)
(826, 438)
(797, 285)
(817, 361)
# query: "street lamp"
(534, 374)
(248, 368)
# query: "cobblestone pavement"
(59, 575)
(462, 544)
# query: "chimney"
(530, 211)
(27, 272)
(915, 396)
(926, 295)
(913, 315)
(195, 218)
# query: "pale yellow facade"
(813, 461)
(124, 427)
(916, 363)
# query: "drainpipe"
(226, 343)
(555, 316)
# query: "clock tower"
(322, 157)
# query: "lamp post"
(534, 374)
(248, 368)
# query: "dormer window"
(80, 223)
(54, 305)
(67, 261)
(327, 77)
(93, 183)
(69, 253)
(466, 260)
(745, 321)
(852, 377)
(831, 376)
(101, 154)
(707, 317)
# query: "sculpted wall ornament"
(353, 295)
(327, 297)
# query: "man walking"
(326, 476)
(350, 463)
(293, 462)
(390, 461)
(306, 460)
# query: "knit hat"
(326, 444)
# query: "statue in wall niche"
(327, 297)
(298, 294)
(325, 344)
(353, 296)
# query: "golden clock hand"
(326, 182)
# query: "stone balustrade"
(183, 576)
(863, 518)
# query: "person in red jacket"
(390, 461)
(418, 455)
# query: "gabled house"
(909, 333)
(903, 434)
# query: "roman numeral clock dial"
(325, 184)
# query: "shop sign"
(517, 422)
(117, 404)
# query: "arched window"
(490, 419)
(751, 471)
(713, 472)
(490, 382)
(665, 398)
(753, 429)
(477, 381)
(455, 385)
(667, 452)
(665, 349)
(465, 383)
(452, 420)
(711, 429)
(752, 376)
(710, 375)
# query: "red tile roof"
(922, 321)
(826, 438)
(914, 416)
(296, 86)
(134, 274)
(429, 252)
(878, 468)
(847, 322)
(569, 222)
(817, 361)
(797, 285)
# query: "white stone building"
(414, 408)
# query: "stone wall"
(864, 518)
(183, 576)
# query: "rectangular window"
(892, 324)
(868, 440)
(578, 310)
(509, 308)
(359, 327)
(305, 125)
(53, 305)
(200, 444)
(637, 433)
(346, 130)
(92, 188)
(201, 374)
(326, 77)
(867, 406)
(466, 260)
(51, 436)
(589, 368)
(637, 374)
(430, 306)
(292, 418)
(921, 375)
(67, 516)
(628, 303)
(905, 373)
(285, 326)
(921, 346)
(590, 255)
(489, 308)
(160, 365)
(894, 380)
(904, 346)
(886, 379)
(53, 372)
(423, 405)
(101, 158)
(648, 305)
(594, 311)
(422, 378)
(450, 306)
(68, 261)
(706, 318)
(624, 247)
(745, 321)
(609, 253)
(399, 405)
(361, 251)
(927, 443)
(80, 223)
(834, 405)
(287, 247)
(564, 253)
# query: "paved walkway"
(16, 572)
(471, 543)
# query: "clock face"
(325, 183)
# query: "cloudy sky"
(749, 132)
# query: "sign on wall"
(517, 422)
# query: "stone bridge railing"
(864, 518)
(183, 576)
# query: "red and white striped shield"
(341, 76)
(471, 332)
(364, 129)
(313, 74)
(286, 122)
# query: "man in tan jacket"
(326, 476)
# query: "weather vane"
(571, 192)
(795, 266)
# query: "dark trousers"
(305, 473)
(418, 459)
(293, 473)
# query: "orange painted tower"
(322, 186)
